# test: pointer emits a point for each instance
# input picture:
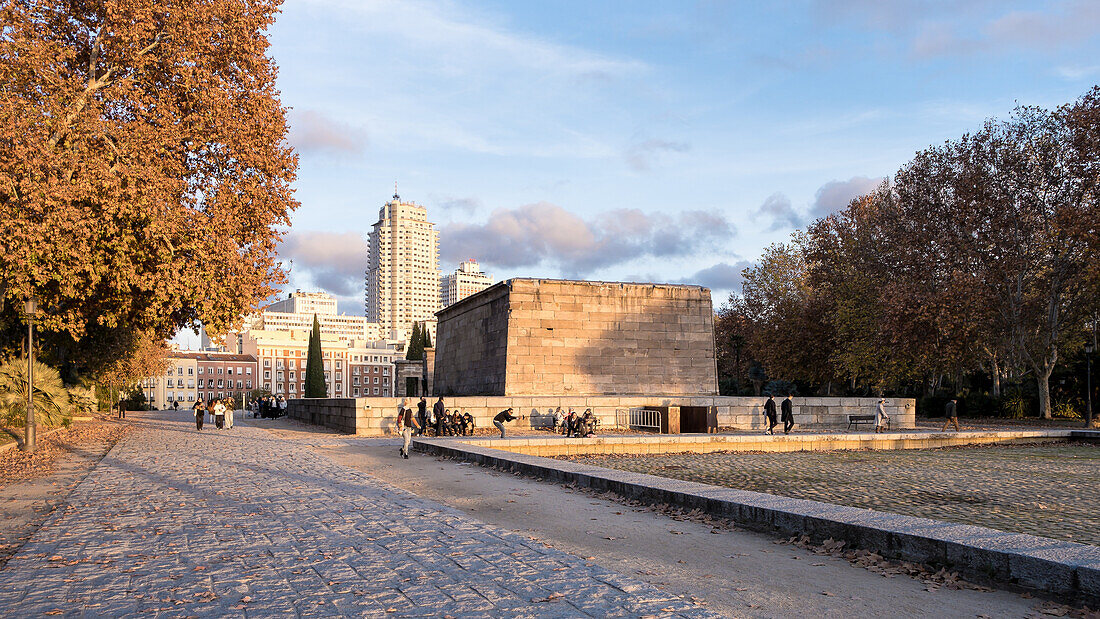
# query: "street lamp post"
(1088, 384)
(31, 308)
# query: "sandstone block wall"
(554, 337)
(471, 344)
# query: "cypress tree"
(426, 336)
(315, 372)
(416, 344)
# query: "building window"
(229, 371)
(248, 371)
(220, 371)
(292, 375)
(190, 371)
(356, 392)
(267, 374)
(376, 391)
(240, 385)
(280, 376)
(248, 384)
(179, 371)
(267, 363)
(220, 385)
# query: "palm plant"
(52, 405)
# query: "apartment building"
(353, 368)
(202, 375)
(465, 281)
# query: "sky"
(636, 141)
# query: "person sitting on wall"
(458, 423)
(559, 419)
(588, 423)
(468, 422)
(567, 425)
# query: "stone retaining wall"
(376, 416)
(1066, 570)
(706, 443)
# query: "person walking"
(219, 414)
(503, 417)
(407, 422)
(881, 418)
(769, 413)
(951, 413)
(229, 409)
(787, 410)
(200, 413)
(421, 415)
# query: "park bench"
(858, 419)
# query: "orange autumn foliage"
(145, 178)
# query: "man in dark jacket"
(437, 411)
(787, 414)
(502, 417)
(421, 415)
(951, 414)
(769, 413)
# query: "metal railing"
(638, 419)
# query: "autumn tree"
(995, 220)
(146, 360)
(144, 174)
(789, 335)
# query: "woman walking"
(229, 408)
(200, 412)
(219, 415)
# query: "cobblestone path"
(1051, 490)
(239, 523)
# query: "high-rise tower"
(402, 278)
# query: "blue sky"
(656, 141)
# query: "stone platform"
(1064, 569)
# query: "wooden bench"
(858, 419)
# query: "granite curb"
(1067, 571)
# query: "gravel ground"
(1050, 490)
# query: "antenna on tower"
(395, 196)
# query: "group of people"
(268, 407)
(441, 420)
(220, 411)
(574, 424)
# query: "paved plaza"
(1050, 490)
(241, 523)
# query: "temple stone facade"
(527, 337)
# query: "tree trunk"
(829, 388)
(1042, 378)
(996, 377)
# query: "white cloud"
(313, 132)
(332, 261)
(546, 234)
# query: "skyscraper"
(402, 278)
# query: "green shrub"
(51, 399)
(1015, 406)
(1065, 410)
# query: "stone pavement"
(1050, 490)
(240, 523)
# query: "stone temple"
(541, 337)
